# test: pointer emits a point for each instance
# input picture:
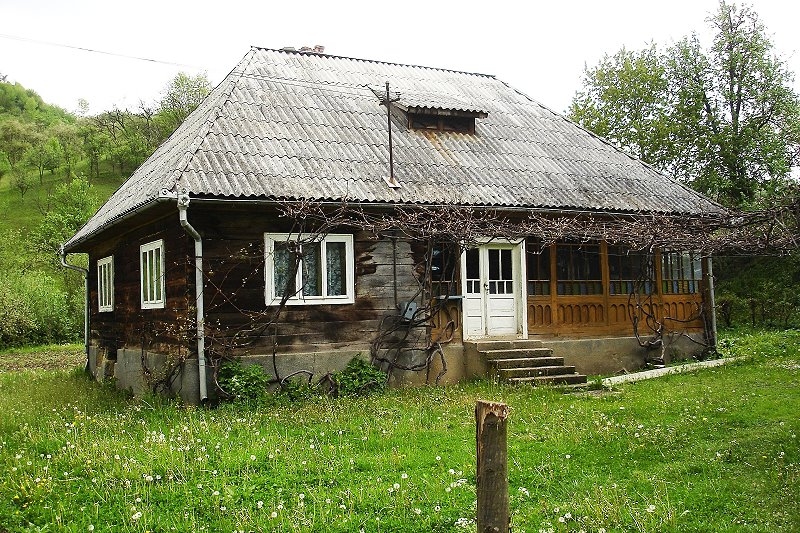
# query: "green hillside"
(56, 169)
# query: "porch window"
(578, 269)
(443, 261)
(681, 272)
(630, 271)
(538, 267)
(316, 272)
(152, 270)
(105, 284)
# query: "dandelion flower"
(252, 457)
(136, 516)
(651, 508)
(301, 496)
(259, 504)
(437, 508)
(403, 476)
(273, 514)
(438, 458)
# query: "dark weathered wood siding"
(238, 320)
(128, 325)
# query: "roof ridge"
(375, 61)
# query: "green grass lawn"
(713, 450)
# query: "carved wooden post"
(492, 467)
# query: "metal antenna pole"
(390, 181)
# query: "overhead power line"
(94, 51)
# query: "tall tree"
(69, 141)
(624, 100)
(181, 96)
(724, 119)
(16, 138)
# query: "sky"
(541, 48)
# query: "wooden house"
(199, 255)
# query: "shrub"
(243, 383)
(33, 310)
(357, 378)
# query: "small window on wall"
(444, 258)
(320, 272)
(578, 269)
(152, 269)
(681, 272)
(105, 284)
(538, 267)
(630, 271)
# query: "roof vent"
(316, 49)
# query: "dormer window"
(427, 112)
(441, 122)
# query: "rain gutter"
(85, 271)
(183, 206)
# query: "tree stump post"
(492, 467)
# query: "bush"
(33, 310)
(358, 378)
(758, 291)
(243, 383)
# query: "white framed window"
(105, 284)
(317, 272)
(152, 269)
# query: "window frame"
(157, 283)
(578, 255)
(631, 269)
(688, 265)
(105, 284)
(270, 239)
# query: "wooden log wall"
(235, 295)
(168, 330)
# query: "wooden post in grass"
(492, 467)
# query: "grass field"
(713, 450)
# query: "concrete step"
(507, 344)
(521, 362)
(516, 353)
(530, 372)
(558, 379)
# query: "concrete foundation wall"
(612, 355)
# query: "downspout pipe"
(85, 271)
(712, 304)
(183, 206)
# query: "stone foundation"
(610, 355)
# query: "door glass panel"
(494, 264)
(473, 271)
(505, 265)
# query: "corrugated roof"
(290, 125)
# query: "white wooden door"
(501, 303)
(490, 295)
